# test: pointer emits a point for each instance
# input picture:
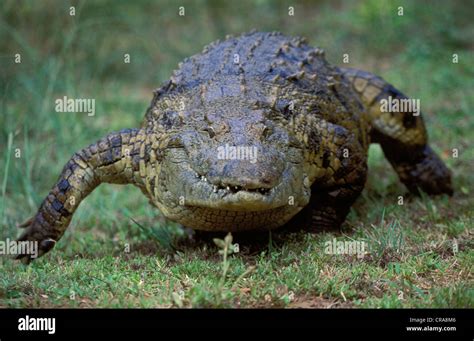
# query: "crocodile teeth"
(228, 188)
(215, 189)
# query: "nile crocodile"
(244, 136)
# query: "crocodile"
(250, 134)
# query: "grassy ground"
(421, 252)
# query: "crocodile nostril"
(210, 131)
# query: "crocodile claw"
(25, 223)
(33, 233)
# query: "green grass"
(421, 251)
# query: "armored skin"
(306, 124)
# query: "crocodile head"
(229, 166)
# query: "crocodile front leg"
(329, 207)
(115, 158)
(338, 160)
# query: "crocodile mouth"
(204, 200)
(231, 197)
(232, 189)
(202, 205)
(195, 190)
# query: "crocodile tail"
(113, 159)
(401, 133)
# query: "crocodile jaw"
(191, 200)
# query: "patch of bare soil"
(318, 302)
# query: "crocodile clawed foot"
(32, 243)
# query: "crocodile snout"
(243, 175)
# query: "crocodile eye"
(176, 141)
(210, 131)
(170, 120)
(266, 132)
(285, 107)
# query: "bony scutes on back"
(250, 144)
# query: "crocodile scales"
(310, 123)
